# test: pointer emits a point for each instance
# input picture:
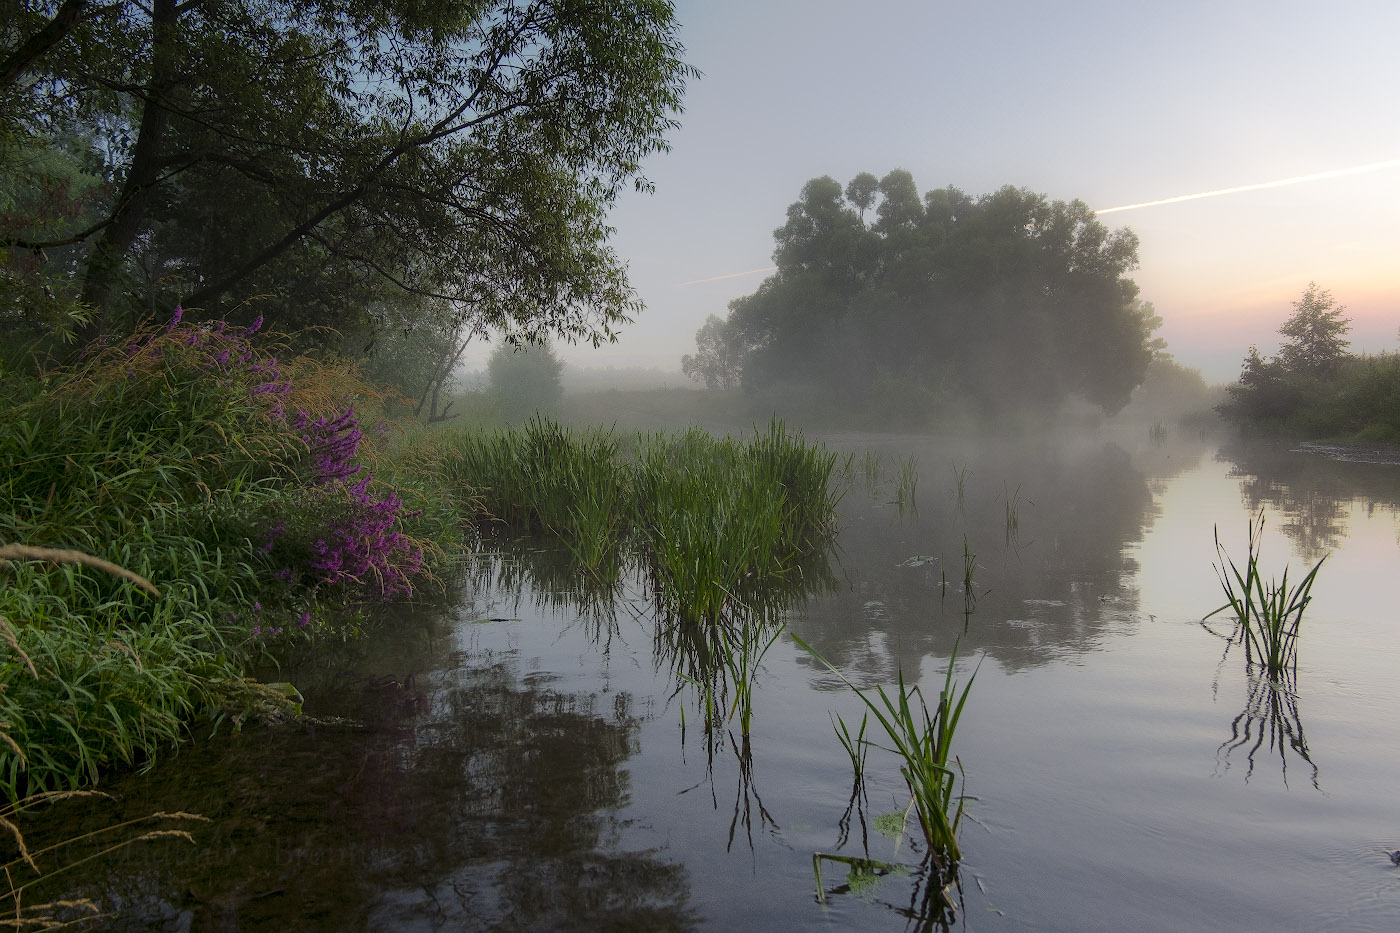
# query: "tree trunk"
(129, 215)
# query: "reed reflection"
(1270, 712)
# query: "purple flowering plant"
(331, 533)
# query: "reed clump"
(1268, 616)
(715, 522)
(922, 740)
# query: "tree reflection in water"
(457, 793)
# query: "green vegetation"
(923, 743)
(942, 309)
(718, 523)
(414, 175)
(1267, 615)
(524, 380)
(1313, 387)
(190, 463)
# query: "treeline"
(915, 308)
(1313, 387)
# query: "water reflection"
(457, 793)
(1270, 712)
(1313, 492)
(1021, 548)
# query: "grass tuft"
(1268, 615)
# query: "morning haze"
(725, 464)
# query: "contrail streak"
(1282, 182)
(731, 275)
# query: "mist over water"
(526, 752)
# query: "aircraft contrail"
(1282, 182)
(731, 275)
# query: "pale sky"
(1113, 103)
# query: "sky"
(1110, 103)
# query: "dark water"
(547, 770)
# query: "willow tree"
(332, 154)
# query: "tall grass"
(1268, 615)
(960, 476)
(715, 521)
(547, 479)
(922, 741)
(236, 486)
(907, 485)
(1013, 516)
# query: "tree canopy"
(1008, 301)
(330, 154)
(1301, 387)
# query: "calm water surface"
(520, 761)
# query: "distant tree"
(1007, 301)
(525, 379)
(718, 360)
(1316, 334)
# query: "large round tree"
(1008, 301)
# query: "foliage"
(718, 361)
(1312, 387)
(1269, 615)
(330, 155)
(923, 744)
(1003, 303)
(722, 526)
(193, 458)
(1169, 392)
(525, 380)
(1316, 334)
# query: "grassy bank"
(184, 504)
(243, 489)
